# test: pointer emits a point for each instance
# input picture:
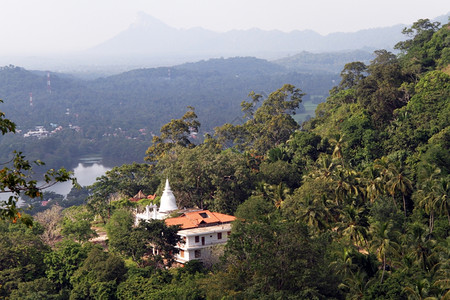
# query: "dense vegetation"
(116, 116)
(352, 205)
(326, 62)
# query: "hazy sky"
(34, 26)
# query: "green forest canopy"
(354, 205)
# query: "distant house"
(39, 132)
(201, 230)
(140, 195)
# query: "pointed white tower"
(168, 202)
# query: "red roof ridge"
(196, 219)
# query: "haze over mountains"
(148, 42)
(148, 36)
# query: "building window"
(228, 233)
(181, 253)
(219, 235)
(197, 254)
(197, 239)
(204, 215)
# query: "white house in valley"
(201, 230)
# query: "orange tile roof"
(199, 219)
(140, 195)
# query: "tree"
(255, 208)
(380, 91)
(207, 178)
(280, 173)
(353, 224)
(352, 74)
(257, 251)
(153, 239)
(433, 196)
(50, 219)
(176, 132)
(267, 126)
(372, 183)
(22, 255)
(162, 239)
(315, 212)
(382, 242)
(16, 177)
(98, 277)
(63, 261)
(413, 54)
(76, 224)
(392, 179)
(120, 182)
(102, 192)
(426, 115)
(129, 179)
(76, 196)
(119, 228)
(399, 183)
(41, 288)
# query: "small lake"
(86, 174)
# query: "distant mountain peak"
(148, 36)
(145, 21)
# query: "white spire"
(168, 202)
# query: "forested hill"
(135, 104)
(327, 61)
(352, 205)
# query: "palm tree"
(276, 192)
(399, 183)
(356, 284)
(427, 201)
(442, 276)
(420, 290)
(315, 213)
(338, 146)
(346, 182)
(441, 188)
(434, 196)
(323, 169)
(383, 167)
(382, 242)
(372, 183)
(352, 224)
(395, 180)
(420, 246)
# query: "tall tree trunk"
(431, 224)
(395, 202)
(404, 204)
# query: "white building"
(39, 132)
(168, 204)
(200, 232)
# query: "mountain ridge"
(150, 36)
